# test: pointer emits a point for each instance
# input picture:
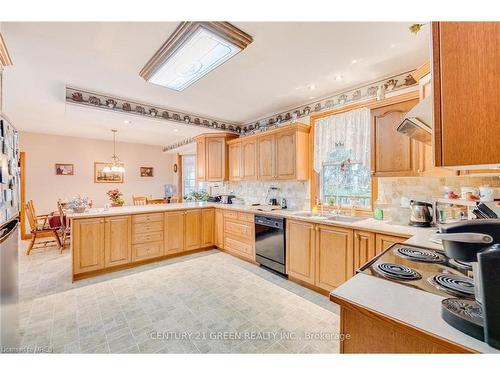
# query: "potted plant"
(116, 198)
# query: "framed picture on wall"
(106, 177)
(146, 171)
(65, 169)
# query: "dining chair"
(65, 224)
(156, 201)
(140, 201)
(40, 228)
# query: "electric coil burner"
(419, 255)
(460, 265)
(397, 271)
(456, 285)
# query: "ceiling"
(273, 73)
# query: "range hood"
(417, 123)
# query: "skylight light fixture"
(192, 51)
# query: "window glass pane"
(189, 174)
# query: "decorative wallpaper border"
(112, 103)
(377, 89)
(178, 144)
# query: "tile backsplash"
(391, 189)
(296, 193)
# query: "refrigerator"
(9, 235)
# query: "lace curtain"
(351, 129)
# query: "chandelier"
(115, 165)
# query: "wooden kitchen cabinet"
(334, 250)
(266, 151)
(300, 253)
(147, 236)
(364, 249)
(249, 159)
(235, 162)
(174, 232)
(207, 227)
(118, 240)
(465, 73)
(88, 244)
(219, 229)
(393, 154)
(192, 236)
(385, 241)
(212, 162)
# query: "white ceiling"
(272, 74)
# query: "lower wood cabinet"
(174, 232)
(219, 229)
(364, 248)
(207, 227)
(300, 252)
(87, 241)
(117, 240)
(147, 250)
(385, 241)
(192, 236)
(333, 256)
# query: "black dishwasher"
(270, 242)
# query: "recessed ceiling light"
(176, 130)
(354, 61)
(312, 86)
(392, 45)
(338, 78)
(192, 51)
(127, 121)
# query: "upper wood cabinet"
(300, 254)
(333, 256)
(393, 153)
(118, 240)
(88, 244)
(235, 162)
(277, 154)
(212, 156)
(466, 72)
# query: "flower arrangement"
(78, 204)
(116, 198)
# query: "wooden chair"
(140, 201)
(156, 201)
(65, 227)
(40, 228)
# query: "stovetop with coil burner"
(425, 269)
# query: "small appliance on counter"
(214, 198)
(227, 198)
(476, 242)
(420, 214)
(273, 196)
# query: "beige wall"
(45, 188)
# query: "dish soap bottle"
(378, 210)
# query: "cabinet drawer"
(243, 216)
(238, 228)
(230, 215)
(147, 250)
(156, 226)
(147, 218)
(147, 237)
(238, 245)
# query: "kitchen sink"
(346, 219)
(310, 214)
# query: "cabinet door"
(300, 254)
(266, 157)
(216, 159)
(334, 249)
(118, 240)
(174, 232)
(207, 227)
(466, 121)
(200, 160)
(219, 229)
(249, 160)
(385, 241)
(364, 248)
(235, 161)
(285, 155)
(192, 239)
(88, 244)
(394, 154)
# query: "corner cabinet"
(212, 156)
(277, 154)
(466, 93)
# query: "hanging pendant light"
(115, 164)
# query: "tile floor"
(208, 302)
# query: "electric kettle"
(420, 214)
